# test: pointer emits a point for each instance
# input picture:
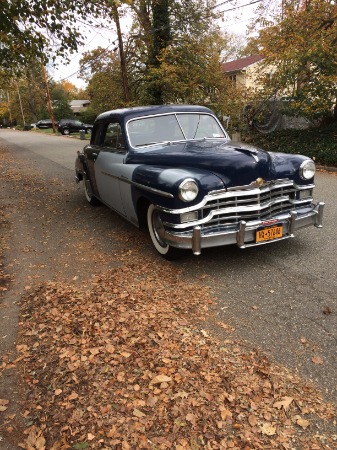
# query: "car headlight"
(188, 190)
(307, 169)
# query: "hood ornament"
(259, 182)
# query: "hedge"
(319, 144)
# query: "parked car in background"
(45, 123)
(67, 126)
(175, 169)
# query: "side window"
(114, 137)
(97, 135)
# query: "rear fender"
(81, 168)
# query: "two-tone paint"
(241, 187)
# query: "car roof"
(138, 111)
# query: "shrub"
(319, 144)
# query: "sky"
(236, 17)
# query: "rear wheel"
(156, 231)
(88, 192)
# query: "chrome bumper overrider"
(242, 234)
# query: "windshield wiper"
(154, 143)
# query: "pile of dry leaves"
(120, 364)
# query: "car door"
(75, 125)
(91, 153)
(108, 167)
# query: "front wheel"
(156, 230)
(66, 131)
(88, 192)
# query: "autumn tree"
(24, 98)
(61, 94)
(27, 95)
(300, 45)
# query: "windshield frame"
(225, 136)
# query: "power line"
(241, 6)
(90, 62)
(221, 4)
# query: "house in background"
(267, 116)
(78, 106)
(244, 71)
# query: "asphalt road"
(280, 298)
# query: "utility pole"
(9, 110)
(121, 54)
(23, 116)
(51, 113)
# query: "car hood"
(233, 163)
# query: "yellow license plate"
(268, 234)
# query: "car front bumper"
(243, 234)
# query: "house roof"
(79, 102)
(242, 63)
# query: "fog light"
(305, 193)
(189, 217)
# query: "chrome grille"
(249, 205)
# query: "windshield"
(173, 127)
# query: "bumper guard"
(243, 234)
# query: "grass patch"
(50, 131)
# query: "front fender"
(167, 180)
(287, 166)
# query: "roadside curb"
(327, 168)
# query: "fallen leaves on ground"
(121, 365)
(122, 362)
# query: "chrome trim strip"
(140, 186)
(254, 185)
(153, 190)
(223, 194)
(274, 183)
(300, 202)
(230, 210)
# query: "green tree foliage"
(301, 47)
(30, 29)
(174, 52)
(101, 69)
(60, 100)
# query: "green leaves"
(39, 29)
(300, 47)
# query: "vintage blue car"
(175, 169)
